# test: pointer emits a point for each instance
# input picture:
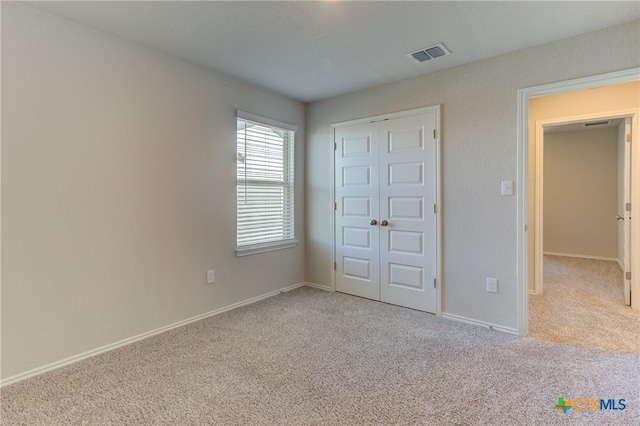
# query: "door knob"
(384, 223)
(373, 222)
(618, 217)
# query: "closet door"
(408, 194)
(357, 210)
(385, 220)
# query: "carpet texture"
(583, 304)
(310, 357)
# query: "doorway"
(386, 221)
(526, 183)
(583, 190)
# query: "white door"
(408, 191)
(357, 210)
(386, 221)
(626, 214)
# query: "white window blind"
(265, 186)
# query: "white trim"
(582, 256)
(538, 279)
(522, 234)
(264, 120)
(608, 79)
(635, 204)
(332, 206)
(262, 248)
(439, 260)
(318, 286)
(73, 359)
(522, 116)
(388, 116)
(470, 321)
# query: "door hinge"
(434, 133)
(627, 276)
(629, 137)
(335, 146)
(627, 207)
(335, 266)
(435, 209)
(335, 206)
(435, 283)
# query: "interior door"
(626, 214)
(385, 220)
(357, 210)
(407, 207)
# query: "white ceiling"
(312, 50)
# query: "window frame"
(288, 170)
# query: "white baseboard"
(321, 287)
(480, 323)
(581, 256)
(73, 359)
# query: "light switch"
(507, 187)
(492, 285)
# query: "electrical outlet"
(211, 276)
(492, 285)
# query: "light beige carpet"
(310, 357)
(583, 304)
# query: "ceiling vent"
(431, 52)
(597, 123)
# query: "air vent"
(597, 123)
(430, 52)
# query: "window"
(265, 188)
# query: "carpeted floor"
(310, 357)
(583, 304)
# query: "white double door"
(386, 187)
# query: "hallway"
(583, 304)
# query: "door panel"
(406, 276)
(359, 269)
(356, 237)
(409, 208)
(356, 207)
(405, 173)
(387, 171)
(357, 203)
(356, 176)
(408, 243)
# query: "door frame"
(332, 222)
(523, 236)
(539, 170)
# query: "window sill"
(262, 248)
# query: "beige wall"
(580, 192)
(118, 191)
(560, 106)
(479, 149)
